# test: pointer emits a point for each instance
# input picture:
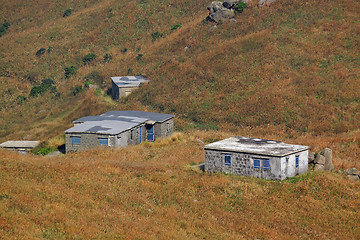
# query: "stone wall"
(160, 129)
(243, 164)
(87, 141)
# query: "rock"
(186, 48)
(311, 157)
(262, 3)
(351, 171)
(353, 177)
(320, 159)
(327, 153)
(233, 20)
(230, 3)
(93, 86)
(319, 167)
(218, 12)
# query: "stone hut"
(20, 146)
(118, 129)
(256, 157)
(123, 86)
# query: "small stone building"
(123, 86)
(118, 129)
(256, 157)
(20, 146)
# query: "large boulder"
(320, 159)
(218, 12)
(319, 167)
(311, 157)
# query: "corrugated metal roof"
(19, 144)
(256, 146)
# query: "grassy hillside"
(145, 192)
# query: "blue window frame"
(296, 161)
(257, 163)
(75, 140)
(266, 164)
(227, 159)
(103, 141)
(137, 132)
(287, 160)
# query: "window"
(287, 160)
(167, 128)
(296, 161)
(266, 164)
(257, 163)
(75, 140)
(131, 135)
(261, 163)
(103, 141)
(137, 132)
(227, 160)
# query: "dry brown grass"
(144, 192)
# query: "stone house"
(117, 129)
(123, 86)
(256, 157)
(20, 146)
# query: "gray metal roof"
(129, 81)
(256, 146)
(102, 127)
(115, 122)
(19, 144)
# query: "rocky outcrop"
(322, 161)
(226, 10)
(351, 174)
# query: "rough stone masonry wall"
(160, 129)
(242, 164)
(88, 140)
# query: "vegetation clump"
(67, 12)
(156, 35)
(174, 27)
(70, 71)
(239, 7)
(40, 52)
(46, 85)
(4, 27)
(107, 57)
(43, 149)
(87, 59)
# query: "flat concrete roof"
(19, 144)
(129, 81)
(102, 127)
(115, 122)
(256, 146)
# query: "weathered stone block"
(320, 159)
(319, 167)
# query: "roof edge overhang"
(255, 153)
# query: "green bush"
(77, 89)
(123, 50)
(239, 7)
(95, 77)
(43, 149)
(46, 85)
(20, 99)
(156, 35)
(107, 57)
(139, 56)
(40, 52)
(70, 71)
(89, 58)
(67, 12)
(4, 27)
(174, 27)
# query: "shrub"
(174, 27)
(124, 50)
(139, 56)
(43, 149)
(67, 12)
(40, 52)
(239, 7)
(46, 85)
(4, 27)
(77, 89)
(156, 35)
(95, 77)
(20, 99)
(107, 57)
(89, 58)
(70, 71)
